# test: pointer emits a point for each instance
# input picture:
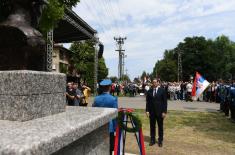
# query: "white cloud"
(154, 25)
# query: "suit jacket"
(107, 101)
(156, 104)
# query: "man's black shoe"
(160, 144)
(151, 143)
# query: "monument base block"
(26, 95)
(77, 131)
(94, 143)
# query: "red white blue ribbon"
(120, 136)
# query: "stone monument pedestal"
(34, 119)
(77, 131)
(26, 95)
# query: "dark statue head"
(37, 8)
(8, 7)
(19, 35)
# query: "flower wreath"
(136, 120)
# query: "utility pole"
(126, 72)
(120, 42)
(123, 63)
(179, 65)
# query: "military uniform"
(108, 101)
(232, 102)
(222, 96)
(227, 100)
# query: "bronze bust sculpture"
(21, 44)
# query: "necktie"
(155, 92)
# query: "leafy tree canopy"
(126, 78)
(143, 75)
(214, 59)
(113, 78)
(54, 12)
(83, 60)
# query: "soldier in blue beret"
(108, 101)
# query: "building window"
(63, 68)
(61, 55)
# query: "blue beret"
(106, 82)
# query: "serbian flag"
(199, 85)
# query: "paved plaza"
(138, 102)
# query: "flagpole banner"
(199, 86)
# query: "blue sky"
(152, 26)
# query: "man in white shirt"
(189, 88)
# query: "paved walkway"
(138, 102)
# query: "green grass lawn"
(189, 133)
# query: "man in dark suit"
(156, 109)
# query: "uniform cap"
(106, 82)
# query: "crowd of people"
(124, 89)
(182, 91)
(219, 92)
(77, 94)
(226, 98)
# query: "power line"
(99, 21)
(107, 9)
(117, 10)
(179, 65)
(114, 15)
(109, 15)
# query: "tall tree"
(126, 78)
(214, 59)
(113, 78)
(54, 12)
(102, 69)
(83, 60)
(144, 74)
(166, 70)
